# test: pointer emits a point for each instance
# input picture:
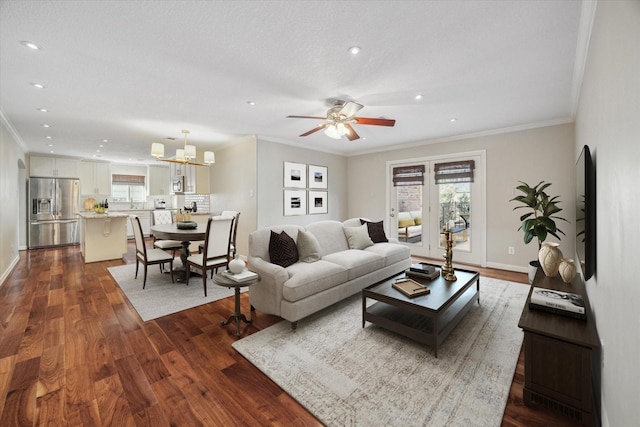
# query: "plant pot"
(533, 268)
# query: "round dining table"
(172, 232)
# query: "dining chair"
(148, 256)
(215, 253)
(165, 217)
(234, 233)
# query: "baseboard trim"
(8, 271)
(508, 267)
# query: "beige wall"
(531, 155)
(13, 187)
(271, 158)
(608, 122)
(233, 186)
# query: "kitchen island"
(103, 236)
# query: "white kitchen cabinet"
(159, 180)
(196, 177)
(53, 167)
(145, 222)
(95, 177)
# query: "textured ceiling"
(137, 72)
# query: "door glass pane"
(409, 213)
(455, 210)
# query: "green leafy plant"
(541, 220)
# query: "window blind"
(454, 172)
(408, 175)
(120, 179)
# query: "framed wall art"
(318, 202)
(295, 202)
(295, 175)
(317, 176)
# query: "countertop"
(95, 215)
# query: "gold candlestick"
(447, 267)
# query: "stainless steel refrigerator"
(53, 204)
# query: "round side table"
(221, 280)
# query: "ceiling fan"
(340, 119)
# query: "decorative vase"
(236, 265)
(567, 270)
(550, 257)
(533, 268)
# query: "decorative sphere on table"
(236, 265)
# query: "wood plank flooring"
(74, 352)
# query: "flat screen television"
(586, 213)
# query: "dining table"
(185, 236)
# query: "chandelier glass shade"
(186, 155)
(336, 130)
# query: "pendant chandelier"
(186, 155)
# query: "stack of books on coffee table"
(241, 277)
(558, 302)
(423, 271)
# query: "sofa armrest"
(266, 295)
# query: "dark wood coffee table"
(428, 319)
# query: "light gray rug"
(161, 297)
(347, 375)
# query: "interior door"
(418, 212)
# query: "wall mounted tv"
(586, 213)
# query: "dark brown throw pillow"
(282, 249)
(376, 231)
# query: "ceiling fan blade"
(306, 117)
(350, 108)
(376, 122)
(315, 129)
(351, 133)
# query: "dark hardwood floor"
(74, 352)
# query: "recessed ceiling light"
(252, 103)
(37, 85)
(44, 125)
(31, 45)
(105, 140)
(101, 145)
(453, 120)
(97, 151)
(50, 145)
(48, 136)
(418, 97)
(44, 110)
(51, 151)
(354, 50)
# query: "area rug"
(347, 375)
(160, 297)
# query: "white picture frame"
(318, 202)
(317, 176)
(295, 202)
(295, 175)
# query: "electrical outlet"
(511, 250)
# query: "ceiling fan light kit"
(184, 155)
(339, 119)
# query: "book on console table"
(558, 302)
(410, 288)
(241, 277)
(419, 275)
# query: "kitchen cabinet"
(159, 181)
(145, 222)
(102, 236)
(196, 177)
(95, 178)
(53, 166)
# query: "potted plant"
(540, 220)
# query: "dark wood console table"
(562, 356)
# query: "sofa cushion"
(330, 235)
(406, 222)
(390, 252)
(308, 247)
(282, 249)
(306, 279)
(358, 237)
(357, 262)
(376, 231)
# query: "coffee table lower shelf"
(415, 321)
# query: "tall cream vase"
(550, 257)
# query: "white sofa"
(409, 224)
(304, 288)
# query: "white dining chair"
(148, 256)
(165, 217)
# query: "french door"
(425, 194)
